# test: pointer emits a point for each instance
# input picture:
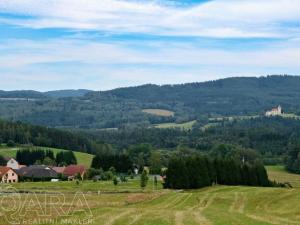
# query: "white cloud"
(219, 18)
(77, 63)
(20, 53)
(83, 61)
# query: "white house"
(12, 163)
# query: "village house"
(59, 170)
(37, 173)
(8, 175)
(72, 171)
(274, 112)
(14, 164)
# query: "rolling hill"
(238, 96)
(66, 93)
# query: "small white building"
(14, 164)
(274, 112)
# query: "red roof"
(73, 170)
(4, 170)
(59, 169)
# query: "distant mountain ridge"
(21, 94)
(40, 95)
(67, 93)
(124, 106)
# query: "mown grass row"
(127, 203)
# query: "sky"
(105, 44)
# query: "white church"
(274, 112)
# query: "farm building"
(37, 172)
(59, 169)
(8, 175)
(14, 164)
(72, 171)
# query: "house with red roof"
(72, 171)
(8, 175)
(59, 170)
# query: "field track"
(127, 204)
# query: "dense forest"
(274, 140)
(22, 133)
(123, 107)
(197, 172)
(267, 135)
(45, 157)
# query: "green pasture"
(126, 203)
(184, 126)
(82, 158)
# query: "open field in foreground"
(82, 158)
(105, 204)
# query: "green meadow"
(126, 203)
(183, 126)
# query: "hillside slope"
(82, 158)
(66, 93)
(124, 106)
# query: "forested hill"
(21, 94)
(124, 106)
(21, 133)
(225, 97)
(66, 93)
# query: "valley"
(128, 138)
(149, 112)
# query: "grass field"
(82, 158)
(290, 116)
(280, 175)
(159, 112)
(184, 126)
(106, 204)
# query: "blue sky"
(104, 44)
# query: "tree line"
(273, 139)
(45, 157)
(23, 133)
(197, 171)
(121, 162)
